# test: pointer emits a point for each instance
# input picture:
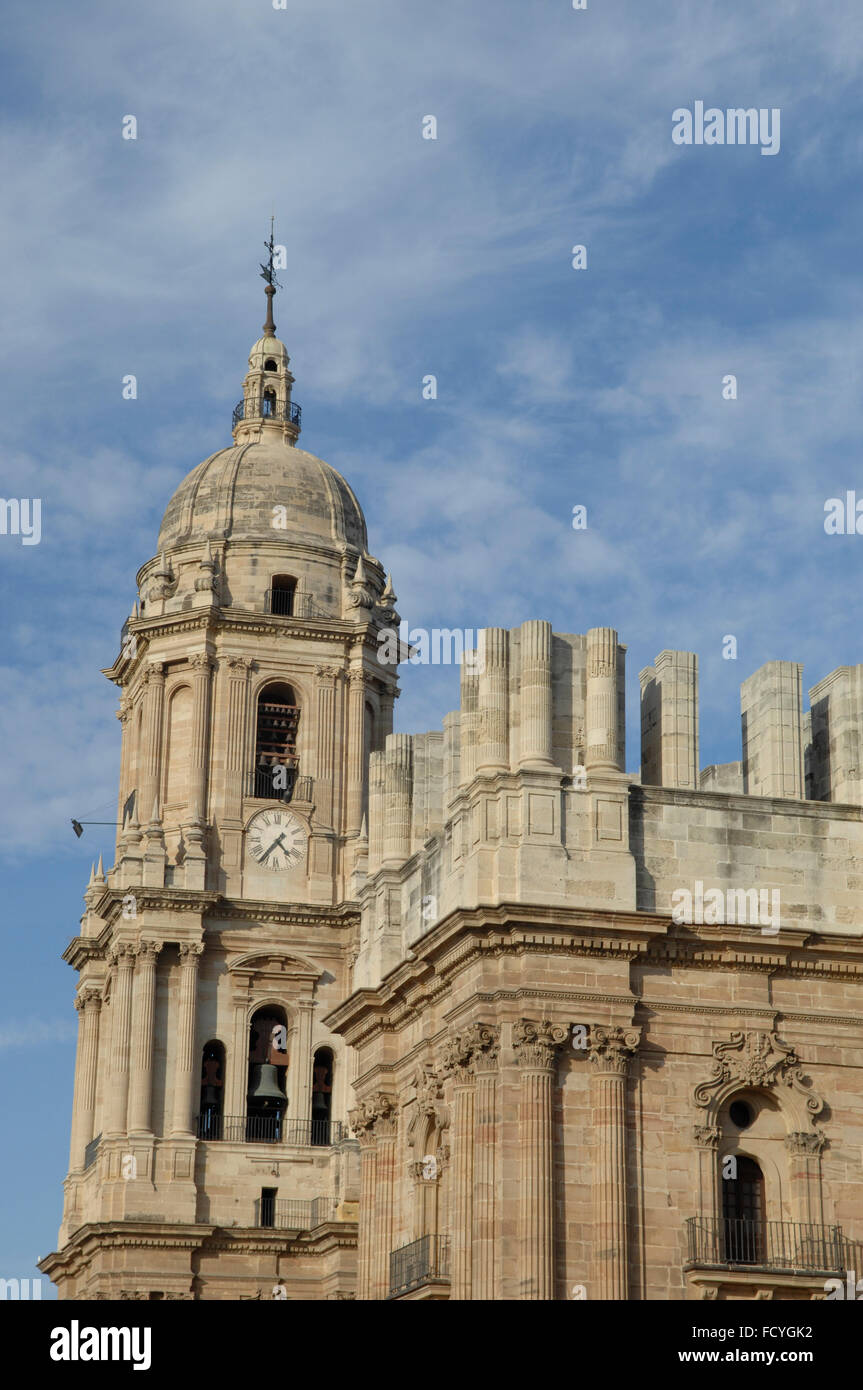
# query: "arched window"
(276, 759)
(271, 365)
(322, 1095)
(268, 1062)
(268, 405)
(282, 590)
(212, 1091)
(743, 1213)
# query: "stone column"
(299, 1079)
(199, 761)
(143, 1005)
(153, 677)
(368, 1187)
(386, 1129)
(237, 1061)
(469, 722)
(187, 1070)
(88, 1003)
(377, 774)
(451, 743)
(771, 708)
(122, 957)
(493, 701)
(804, 1149)
(237, 773)
(485, 1282)
(465, 1054)
(398, 786)
(534, 1045)
(669, 721)
(356, 750)
(601, 733)
(124, 714)
(325, 742)
(709, 1206)
(384, 724)
(536, 706)
(610, 1052)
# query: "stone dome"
(233, 493)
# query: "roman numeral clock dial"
(276, 840)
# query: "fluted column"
(153, 677)
(485, 1283)
(804, 1165)
(493, 701)
(377, 772)
(535, 695)
(201, 670)
(386, 1129)
(88, 1003)
(236, 771)
(368, 1186)
(375, 1122)
(122, 957)
(398, 786)
(237, 1078)
(143, 1007)
(610, 1053)
(300, 1068)
(534, 1045)
(601, 733)
(451, 745)
(124, 714)
(326, 739)
(356, 750)
(469, 722)
(187, 1070)
(464, 1053)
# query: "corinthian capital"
(535, 1043)
(471, 1049)
(610, 1049)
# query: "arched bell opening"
(268, 1063)
(212, 1090)
(276, 760)
(322, 1095)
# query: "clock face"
(276, 840)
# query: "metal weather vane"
(268, 271)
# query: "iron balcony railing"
(267, 1129)
(415, 1264)
(286, 1214)
(91, 1152)
(268, 410)
(775, 1245)
(265, 784)
(283, 603)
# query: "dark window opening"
(322, 1095)
(268, 1206)
(276, 760)
(268, 405)
(268, 1063)
(282, 595)
(212, 1091)
(740, 1114)
(743, 1214)
(271, 365)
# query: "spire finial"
(268, 273)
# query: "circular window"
(741, 1114)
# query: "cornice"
(738, 801)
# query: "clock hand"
(273, 846)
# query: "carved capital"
(375, 1116)
(201, 663)
(805, 1142)
(190, 952)
(611, 1049)
(327, 673)
(240, 665)
(469, 1050)
(123, 954)
(535, 1043)
(706, 1136)
(153, 673)
(88, 999)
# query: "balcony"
(777, 1247)
(267, 1129)
(262, 786)
(291, 414)
(284, 603)
(421, 1269)
(285, 1214)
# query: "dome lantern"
(266, 408)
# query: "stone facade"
(545, 1081)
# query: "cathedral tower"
(251, 700)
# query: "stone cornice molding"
(761, 1061)
(535, 1044)
(611, 1049)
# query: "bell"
(209, 1097)
(264, 1084)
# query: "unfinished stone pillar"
(143, 1007)
(377, 771)
(493, 701)
(398, 785)
(536, 705)
(534, 1045)
(669, 721)
(451, 750)
(610, 1052)
(469, 721)
(187, 1071)
(772, 719)
(601, 733)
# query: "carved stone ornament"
(535, 1043)
(469, 1049)
(611, 1049)
(805, 1142)
(374, 1116)
(706, 1136)
(756, 1059)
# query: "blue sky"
(407, 256)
